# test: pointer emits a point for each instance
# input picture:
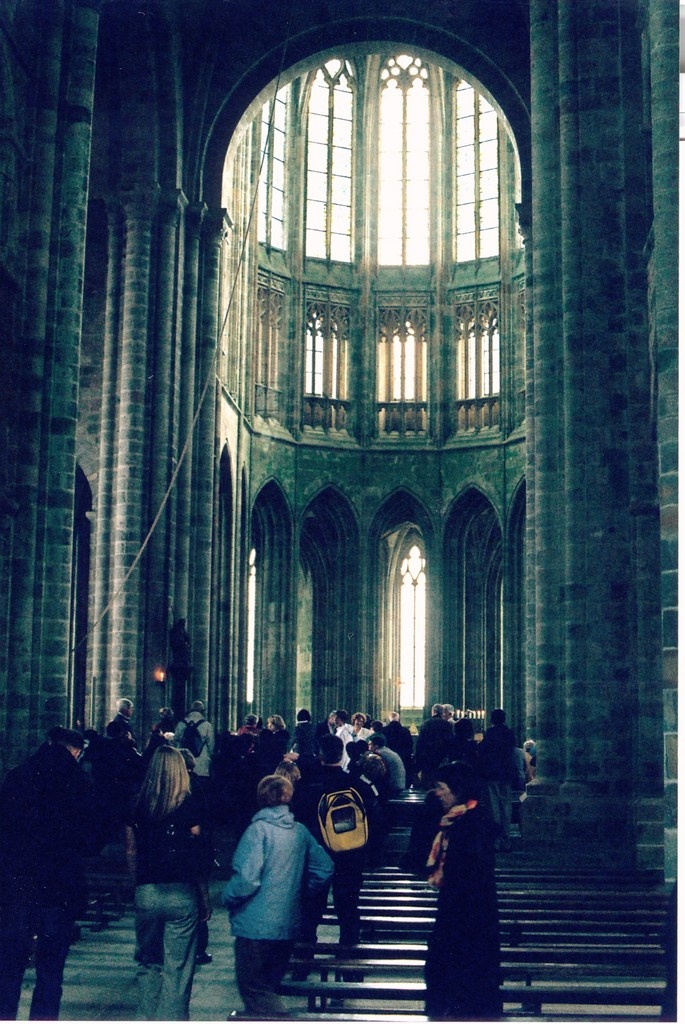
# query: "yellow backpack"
(343, 821)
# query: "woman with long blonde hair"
(166, 855)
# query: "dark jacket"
(432, 743)
(48, 826)
(462, 958)
(304, 742)
(496, 754)
(401, 741)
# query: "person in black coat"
(497, 769)
(463, 953)
(462, 746)
(48, 825)
(401, 741)
(432, 746)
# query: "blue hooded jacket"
(277, 864)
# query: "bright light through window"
(251, 611)
(403, 221)
(413, 630)
(329, 164)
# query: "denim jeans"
(19, 922)
(166, 938)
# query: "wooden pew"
(567, 942)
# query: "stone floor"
(100, 975)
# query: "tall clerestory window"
(329, 164)
(477, 164)
(272, 172)
(385, 180)
(413, 629)
(404, 162)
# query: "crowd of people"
(308, 812)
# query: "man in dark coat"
(496, 766)
(123, 717)
(432, 746)
(48, 825)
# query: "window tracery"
(329, 163)
(327, 331)
(402, 369)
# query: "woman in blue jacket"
(276, 865)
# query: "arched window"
(386, 202)
(402, 370)
(329, 164)
(477, 363)
(267, 350)
(251, 625)
(404, 150)
(413, 629)
(272, 175)
(477, 163)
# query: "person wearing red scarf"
(462, 958)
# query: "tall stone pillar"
(164, 388)
(185, 385)
(530, 566)
(129, 527)
(55, 660)
(39, 191)
(98, 711)
(664, 292)
(204, 462)
(590, 356)
(545, 486)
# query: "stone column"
(598, 604)
(593, 360)
(530, 560)
(664, 292)
(99, 711)
(129, 528)
(39, 191)
(545, 490)
(204, 468)
(185, 388)
(164, 389)
(63, 337)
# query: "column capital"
(524, 218)
(216, 225)
(173, 200)
(140, 202)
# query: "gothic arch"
(303, 44)
(269, 684)
(473, 568)
(400, 522)
(328, 604)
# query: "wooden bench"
(607, 980)
(567, 943)
(530, 998)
